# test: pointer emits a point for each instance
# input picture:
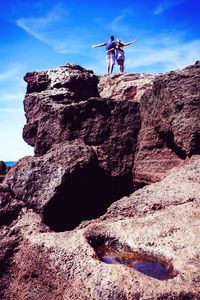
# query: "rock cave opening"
(111, 251)
(84, 195)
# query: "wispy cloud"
(169, 56)
(52, 30)
(11, 110)
(35, 25)
(165, 5)
(118, 24)
(9, 73)
(11, 97)
(151, 56)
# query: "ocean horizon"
(10, 163)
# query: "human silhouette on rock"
(120, 54)
(110, 53)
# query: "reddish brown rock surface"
(163, 109)
(9, 206)
(93, 137)
(170, 127)
(109, 127)
(161, 220)
(47, 92)
(65, 186)
(129, 87)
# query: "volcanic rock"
(65, 186)
(47, 91)
(70, 80)
(170, 127)
(160, 220)
(128, 87)
(109, 126)
(163, 109)
(94, 137)
(9, 206)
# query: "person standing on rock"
(120, 55)
(110, 53)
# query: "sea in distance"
(10, 163)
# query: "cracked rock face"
(170, 127)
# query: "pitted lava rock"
(96, 140)
(170, 127)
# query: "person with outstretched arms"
(110, 53)
(120, 55)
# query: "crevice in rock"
(168, 139)
(84, 195)
(110, 251)
(195, 148)
(10, 213)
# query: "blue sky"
(38, 35)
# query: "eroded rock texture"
(62, 113)
(110, 127)
(47, 93)
(129, 87)
(94, 139)
(65, 186)
(160, 220)
(170, 129)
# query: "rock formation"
(97, 140)
(170, 129)
(160, 220)
(129, 87)
(2, 170)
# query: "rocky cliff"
(75, 220)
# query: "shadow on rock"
(83, 195)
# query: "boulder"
(48, 91)
(65, 186)
(110, 127)
(68, 81)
